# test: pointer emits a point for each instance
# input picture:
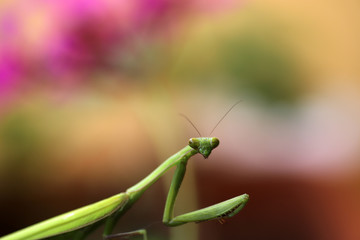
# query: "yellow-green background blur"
(90, 93)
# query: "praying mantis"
(79, 223)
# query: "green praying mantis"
(79, 223)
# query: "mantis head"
(204, 145)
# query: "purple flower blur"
(60, 41)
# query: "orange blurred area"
(90, 93)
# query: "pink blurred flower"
(61, 41)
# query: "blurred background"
(90, 93)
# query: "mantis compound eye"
(194, 143)
(214, 142)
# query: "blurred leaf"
(260, 67)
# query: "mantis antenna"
(224, 116)
(184, 116)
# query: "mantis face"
(204, 145)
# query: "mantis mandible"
(77, 224)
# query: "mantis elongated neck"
(138, 189)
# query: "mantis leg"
(219, 211)
(140, 232)
(110, 224)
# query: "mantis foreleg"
(219, 211)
